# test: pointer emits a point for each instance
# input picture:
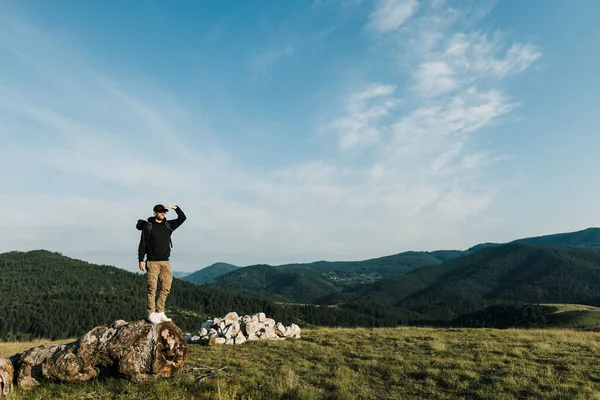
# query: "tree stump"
(136, 350)
(6, 377)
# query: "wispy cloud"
(477, 53)
(365, 110)
(389, 15)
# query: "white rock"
(235, 328)
(232, 317)
(195, 338)
(220, 340)
(226, 335)
(270, 322)
(239, 339)
(212, 332)
(295, 331)
(268, 329)
(280, 329)
(232, 329)
(269, 333)
(251, 328)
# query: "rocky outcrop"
(233, 329)
(136, 350)
(6, 377)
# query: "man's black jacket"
(155, 240)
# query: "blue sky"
(296, 131)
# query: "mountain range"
(515, 272)
(320, 281)
(46, 294)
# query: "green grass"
(561, 308)
(576, 316)
(384, 363)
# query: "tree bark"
(136, 350)
(6, 377)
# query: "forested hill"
(283, 284)
(308, 282)
(46, 294)
(395, 264)
(515, 272)
(588, 238)
(209, 273)
(311, 281)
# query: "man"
(155, 242)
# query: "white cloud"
(465, 61)
(434, 78)
(365, 110)
(389, 15)
(475, 53)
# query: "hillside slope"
(209, 273)
(312, 281)
(514, 272)
(48, 295)
(588, 238)
(283, 284)
(340, 276)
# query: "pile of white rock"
(233, 329)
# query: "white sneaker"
(153, 318)
(162, 317)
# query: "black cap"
(160, 208)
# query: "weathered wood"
(6, 377)
(137, 350)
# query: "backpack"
(149, 226)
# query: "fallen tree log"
(6, 377)
(136, 350)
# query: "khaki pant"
(155, 271)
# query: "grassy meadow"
(383, 363)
